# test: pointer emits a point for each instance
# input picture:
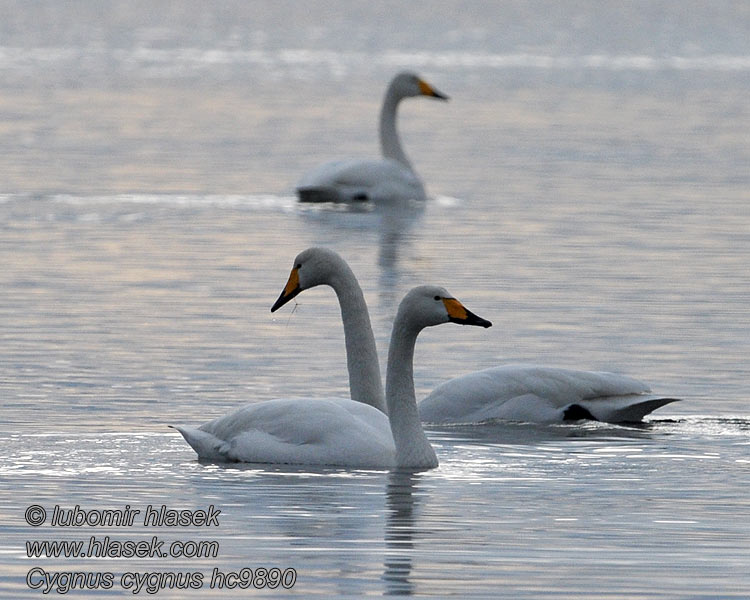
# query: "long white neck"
(365, 384)
(390, 145)
(412, 447)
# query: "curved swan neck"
(390, 145)
(412, 447)
(365, 384)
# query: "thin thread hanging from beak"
(296, 304)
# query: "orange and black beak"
(458, 313)
(291, 289)
(428, 90)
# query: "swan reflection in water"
(400, 529)
(389, 223)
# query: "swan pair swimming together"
(357, 432)
(356, 180)
(343, 432)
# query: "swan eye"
(299, 266)
(437, 297)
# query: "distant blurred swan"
(356, 180)
(339, 432)
(511, 392)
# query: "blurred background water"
(589, 183)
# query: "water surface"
(589, 196)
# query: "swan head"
(407, 84)
(429, 305)
(314, 266)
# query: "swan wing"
(359, 180)
(298, 431)
(541, 394)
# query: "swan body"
(339, 432)
(346, 181)
(373, 180)
(539, 394)
(309, 431)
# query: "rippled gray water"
(590, 196)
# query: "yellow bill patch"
(293, 282)
(455, 309)
(425, 88)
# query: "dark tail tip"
(317, 195)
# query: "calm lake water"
(589, 183)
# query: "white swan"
(362, 180)
(511, 392)
(341, 432)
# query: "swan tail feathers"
(625, 409)
(206, 445)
